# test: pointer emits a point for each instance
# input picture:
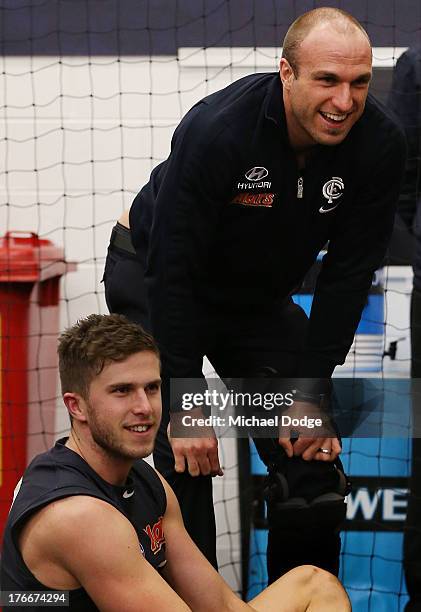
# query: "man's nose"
(141, 403)
(342, 99)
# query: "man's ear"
(286, 72)
(76, 406)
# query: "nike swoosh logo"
(128, 494)
(325, 210)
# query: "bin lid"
(25, 258)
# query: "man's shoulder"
(229, 111)
(55, 474)
(241, 93)
(57, 468)
(65, 513)
(407, 75)
(379, 121)
(147, 473)
(412, 55)
(40, 479)
(378, 135)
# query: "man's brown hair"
(86, 347)
(302, 26)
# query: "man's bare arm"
(89, 543)
(188, 571)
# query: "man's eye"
(152, 388)
(362, 83)
(122, 389)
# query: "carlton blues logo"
(156, 535)
(332, 190)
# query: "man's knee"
(311, 575)
(321, 584)
(316, 575)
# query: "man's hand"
(310, 440)
(310, 448)
(199, 453)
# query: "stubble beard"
(106, 439)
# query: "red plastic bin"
(30, 272)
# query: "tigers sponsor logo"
(156, 535)
(254, 199)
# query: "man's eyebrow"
(120, 384)
(130, 385)
(366, 77)
(157, 381)
(323, 74)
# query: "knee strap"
(327, 511)
(285, 509)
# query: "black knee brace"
(306, 494)
(301, 494)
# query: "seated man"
(90, 517)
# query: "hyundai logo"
(258, 173)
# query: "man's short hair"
(86, 347)
(302, 26)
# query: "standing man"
(93, 519)
(261, 175)
(405, 100)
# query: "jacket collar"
(274, 105)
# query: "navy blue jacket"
(405, 101)
(229, 224)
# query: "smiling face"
(327, 96)
(123, 409)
